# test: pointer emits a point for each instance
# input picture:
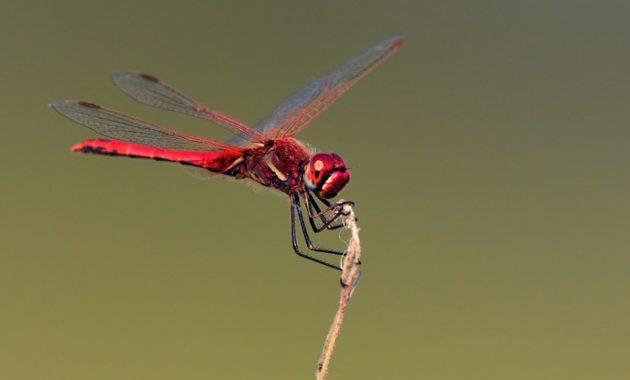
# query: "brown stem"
(349, 280)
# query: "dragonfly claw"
(339, 206)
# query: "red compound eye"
(326, 174)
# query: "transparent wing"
(118, 126)
(149, 90)
(200, 173)
(295, 113)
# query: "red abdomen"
(220, 162)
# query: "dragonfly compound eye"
(326, 175)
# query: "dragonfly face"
(326, 175)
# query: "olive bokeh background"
(490, 166)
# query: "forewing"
(303, 107)
(118, 126)
(151, 91)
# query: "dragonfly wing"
(200, 173)
(295, 113)
(119, 126)
(151, 91)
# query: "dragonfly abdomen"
(219, 162)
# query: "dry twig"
(349, 280)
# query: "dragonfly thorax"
(326, 175)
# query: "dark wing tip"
(149, 77)
(87, 104)
(118, 76)
(62, 106)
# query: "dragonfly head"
(326, 174)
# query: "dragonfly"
(267, 153)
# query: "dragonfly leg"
(315, 212)
(313, 209)
(296, 207)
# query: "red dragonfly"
(266, 153)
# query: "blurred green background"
(490, 170)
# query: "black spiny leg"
(315, 212)
(318, 213)
(296, 206)
(307, 238)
